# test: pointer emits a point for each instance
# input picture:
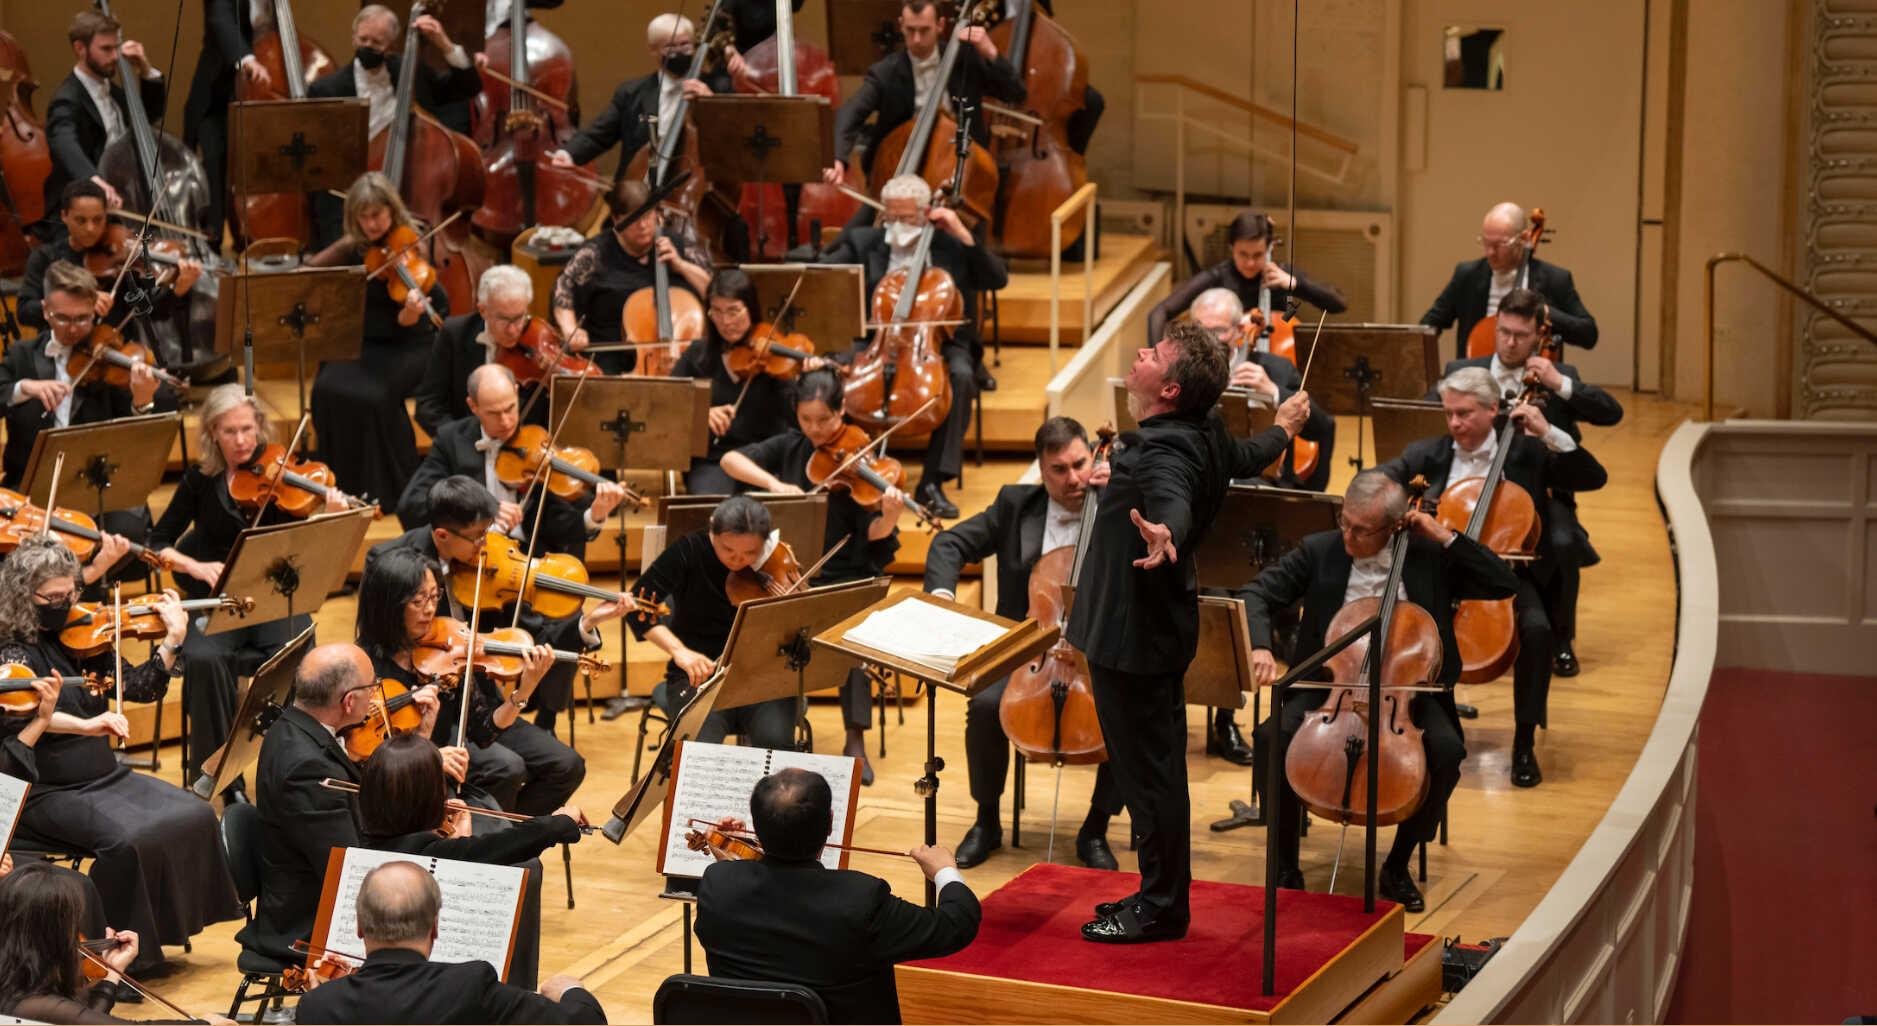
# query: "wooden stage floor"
(1506, 847)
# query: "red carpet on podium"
(1032, 932)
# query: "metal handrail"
(1084, 201)
(1811, 299)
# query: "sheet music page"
(12, 800)
(715, 781)
(924, 633)
(480, 904)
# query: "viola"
(1038, 169)
(323, 965)
(400, 250)
(292, 63)
(722, 846)
(107, 356)
(840, 464)
(18, 698)
(91, 627)
(1484, 336)
(555, 585)
(538, 354)
(25, 157)
(1328, 760)
(521, 188)
(393, 712)
(572, 471)
(20, 520)
(778, 574)
(440, 655)
(296, 485)
(918, 147)
(1048, 708)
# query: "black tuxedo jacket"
(1530, 465)
(1321, 425)
(1316, 574)
(624, 122)
(227, 37)
(442, 397)
(835, 931)
(1588, 404)
(453, 451)
(76, 135)
(1010, 528)
(1175, 470)
(975, 268)
(302, 823)
(888, 91)
(432, 89)
(396, 985)
(562, 634)
(26, 360)
(1463, 302)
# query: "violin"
(20, 520)
(393, 712)
(297, 486)
(18, 698)
(440, 654)
(724, 847)
(323, 965)
(538, 354)
(847, 463)
(25, 156)
(779, 573)
(917, 147)
(555, 585)
(571, 469)
(1038, 169)
(1328, 760)
(292, 64)
(400, 250)
(94, 968)
(765, 350)
(1483, 339)
(90, 629)
(1048, 708)
(107, 356)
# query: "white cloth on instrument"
(99, 90)
(1060, 527)
(1512, 379)
(1368, 575)
(57, 353)
(494, 16)
(380, 92)
(924, 76)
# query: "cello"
(1483, 338)
(706, 209)
(1038, 168)
(292, 64)
(667, 321)
(25, 159)
(1278, 336)
(918, 146)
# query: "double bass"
(1483, 338)
(1038, 168)
(25, 159)
(918, 146)
(706, 209)
(292, 63)
(521, 188)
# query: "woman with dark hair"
(40, 975)
(590, 295)
(779, 463)
(689, 576)
(743, 411)
(158, 858)
(1260, 282)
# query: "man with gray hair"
(398, 907)
(503, 297)
(1477, 286)
(1542, 456)
(1268, 375)
(1325, 572)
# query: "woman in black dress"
(158, 859)
(364, 431)
(779, 463)
(18, 760)
(196, 533)
(590, 294)
(1248, 272)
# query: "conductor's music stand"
(312, 314)
(262, 701)
(288, 569)
(643, 798)
(1401, 421)
(769, 653)
(830, 303)
(861, 32)
(802, 519)
(1255, 527)
(1364, 362)
(120, 462)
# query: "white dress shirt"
(381, 90)
(1369, 574)
(945, 877)
(1060, 526)
(100, 92)
(924, 76)
(1476, 463)
(489, 447)
(670, 91)
(1502, 283)
(57, 353)
(1512, 379)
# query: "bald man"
(398, 907)
(641, 106)
(1477, 286)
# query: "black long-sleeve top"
(381, 311)
(65, 760)
(521, 842)
(1321, 295)
(202, 522)
(786, 456)
(596, 283)
(32, 297)
(689, 577)
(765, 411)
(484, 699)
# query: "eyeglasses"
(1352, 528)
(517, 319)
(69, 321)
(54, 600)
(1496, 244)
(424, 599)
(911, 219)
(1513, 335)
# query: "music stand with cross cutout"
(263, 698)
(1255, 527)
(1399, 422)
(861, 32)
(830, 303)
(119, 462)
(769, 654)
(289, 569)
(294, 318)
(1359, 363)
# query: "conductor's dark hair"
(1523, 303)
(793, 813)
(1057, 432)
(83, 188)
(1250, 225)
(732, 283)
(741, 514)
(402, 789)
(823, 385)
(1199, 367)
(460, 502)
(388, 585)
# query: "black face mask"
(369, 58)
(52, 618)
(677, 65)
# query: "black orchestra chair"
(241, 839)
(686, 999)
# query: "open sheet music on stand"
(924, 633)
(481, 905)
(711, 781)
(13, 792)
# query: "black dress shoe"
(932, 497)
(1397, 885)
(1227, 743)
(1108, 908)
(1290, 880)
(127, 995)
(1564, 664)
(1525, 771)
(1094, 853)
(986, 383)
(978, 844)
(1126, 926)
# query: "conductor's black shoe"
(1290, 879)
(1525, 771)
(1126, 926)
(978, 844)
(1094, 853)
(1397, 885)
(1564, 664)
(932, 497)
(986, 382)
(1224, 741)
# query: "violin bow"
(749, 837)
(134, 985)
(280, 471)
(1312, 358)
(420, 240)
(117, 643)
(808, 574)
(52, 492)
(469, 659)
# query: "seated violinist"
(83, 209)
(1327, 571)
(691, 577)
(503, 296)
(590, 294)
(19, 760)
(744, 409)
(196, 533)
(974, 269)
(868, 536)
(642, 108)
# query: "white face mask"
(902, 236)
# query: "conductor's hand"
(455, 762)
(1293, 412)
(507, 517)
(1159, 539)
(1427, 527)
(720, 418)
(1263, 666)
(696, 667)
(932, 858)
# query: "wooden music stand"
(458, 937)
(830, 304)
(1364, 362)
(782, 139)
(1255, 527)
(635, 423)
(120, 462)
(802, 519)
(295, 318)
(644, 797)
(296, 145)
(1221, 670)
(1397, 422)
(768, 650)
(289, 569)
(861, 32)
(263, 699)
